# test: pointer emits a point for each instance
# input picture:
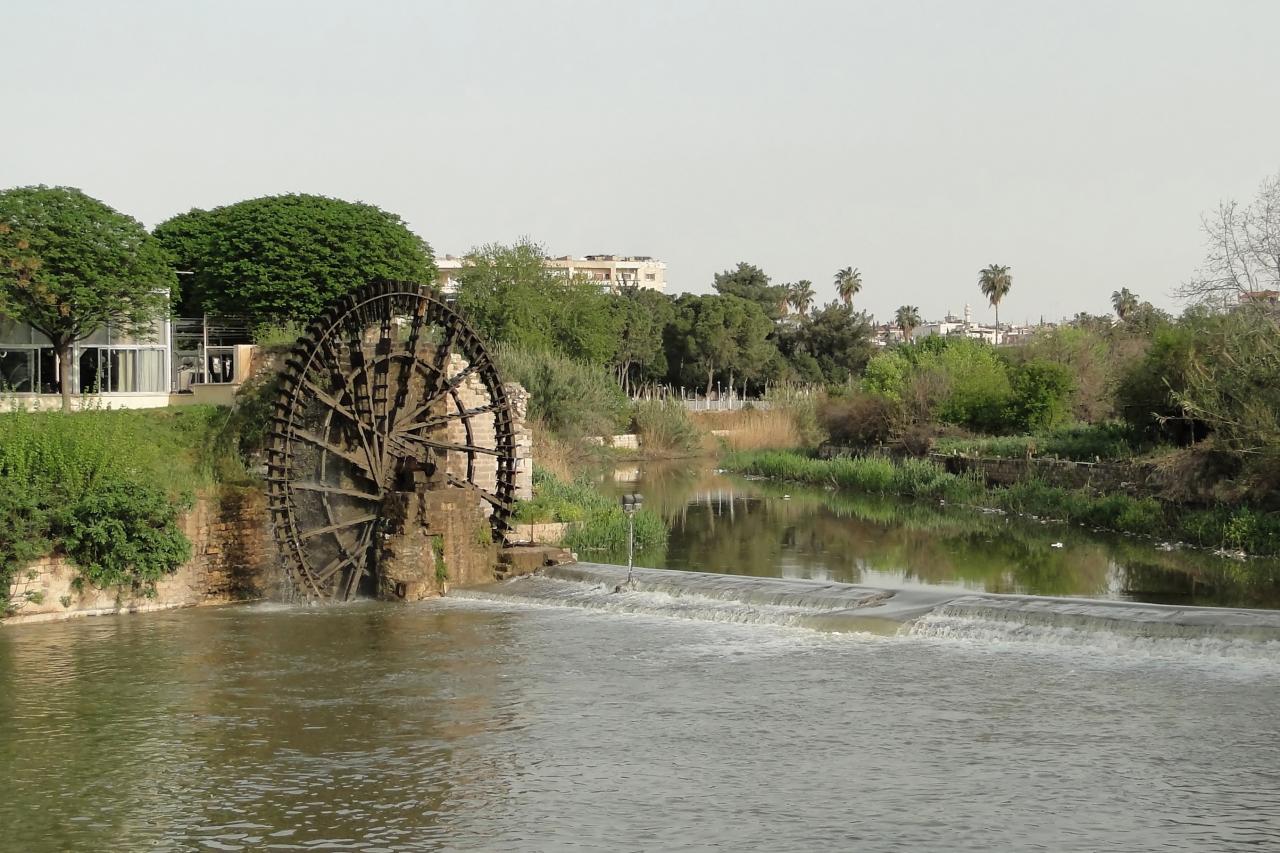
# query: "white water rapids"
(1104, 626)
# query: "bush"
(860, 419)
(572, 398)
(122, 533)
(1041, 392)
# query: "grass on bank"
(1078, 442)
(105, 488)
(1248, 529)
(597, 524)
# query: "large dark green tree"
(748, 281)
(644, 316)
(284, 258)
(718, 336)
(830, 346)
(74, 264)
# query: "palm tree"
(1124, 301)
(848, 283)
(908, 320)
(800, 296)
(995, 282)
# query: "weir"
(920, 613)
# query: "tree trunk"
(63, 350)
(711, 373)
(997, 307)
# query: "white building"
(611, 272)
(108, 367)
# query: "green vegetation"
(597, 524)
(71, 264)
(105, 488)
(511, 296)
(1078, 442)
(283, 258)
(666, 428)
(916, 478)
(1247, 529)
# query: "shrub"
(860, 419)
(122, 533)
(1041, 391)
(572, 398)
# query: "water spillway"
(918, 613)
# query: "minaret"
(968, 315)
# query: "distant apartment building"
(610, 272)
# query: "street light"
(631, 504)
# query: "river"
(684, 712)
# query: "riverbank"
(124, 510)
(1243, 529)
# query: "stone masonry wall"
(232, 559)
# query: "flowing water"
(591, 708)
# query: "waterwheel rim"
(377, 387)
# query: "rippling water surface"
(526, 725)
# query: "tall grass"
(666, 428)
(572, 398)
(597, 524)
(876, 475)
(753, 429)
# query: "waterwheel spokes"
(376, 381)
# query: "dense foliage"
(105, 488)
(284, 258)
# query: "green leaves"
(69, 264)
(284, 258)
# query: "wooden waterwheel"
(387, 389)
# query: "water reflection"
(282, 700)
(730, 524)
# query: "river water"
(735, 525)
(674, 711)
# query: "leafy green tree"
(1124, 301)
(511, 296)
(715, 335)
(848, 284)
(749, 282)
(285, 258)
(800, 296)
(995, 282)
(1041, 392)
(832, 346)
(643, 317)
(907, 318)
(73, 265)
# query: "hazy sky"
(1077, 142)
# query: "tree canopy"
(284, 258)
(73, 264)
(510, 295)
(717, 336)
(749, 282)
(848, 283)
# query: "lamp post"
(631, 504)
